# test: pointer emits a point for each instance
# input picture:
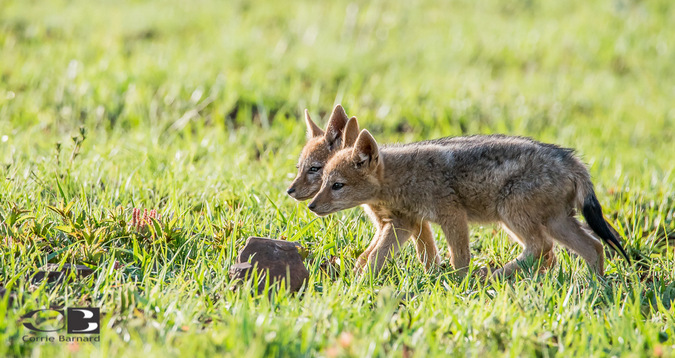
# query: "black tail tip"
(592, 212)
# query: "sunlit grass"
(193, 109)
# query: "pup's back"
(483, 170)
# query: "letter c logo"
(31, 325)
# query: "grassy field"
(194, 109)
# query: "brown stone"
(280, 258)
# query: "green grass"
(193, 109)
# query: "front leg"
(363, 258)
(425, 246)
(456, 230)
(392, 235)
(375, 216)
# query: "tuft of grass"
(193, 110)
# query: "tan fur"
(318, 151)
(531, 188)
(321, 145)
(420, 232)
(350, 133)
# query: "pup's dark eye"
(337, 186)
(314, 169)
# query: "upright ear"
(350, 133)
(312, 129)
(365, 150)
(336, 125)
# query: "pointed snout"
(319, 208)
(290, 190)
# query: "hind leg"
(536, 245)
(568, 231)
(425, 246)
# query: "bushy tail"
(592, 212)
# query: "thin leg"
(536, 245)
(568, 231)
(425, 246)
(456, 232)
(392, 235)
(363, 258)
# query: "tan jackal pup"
(319, 148)
(531, 188)
(340, 133)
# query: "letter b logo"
(84, 320)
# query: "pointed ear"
(312, 129)
(365, 149)
(350, 133)
(336, 124)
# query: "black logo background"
(84, 320)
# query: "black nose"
(311, 206)
(290, 191)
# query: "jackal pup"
(532, 189)
(341, 133)
(319, 148)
